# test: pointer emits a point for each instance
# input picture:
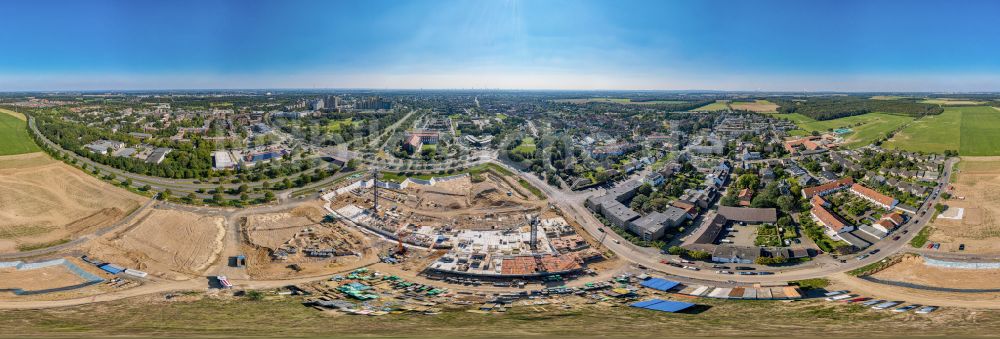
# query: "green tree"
(699, 255)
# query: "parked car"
(874, 251)
(895, 238)
(906, 231)
(841, 297)
(937, 245)
(930, 246)
(873, 302)
(905, 308)
(886, 305)
(855, 300)
(927, 309)
(833, 293)
(961, 247)
(862, 257)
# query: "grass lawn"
(865, 128)
(527, 146)
(14, 138)
(337, 125)
(718, 105)
(971, 130)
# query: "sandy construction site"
(978, 182)
(165, 243)
(913, 270)
(44, 201)
(299, 242)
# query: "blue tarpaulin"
(111, 268)
(663, 305)
(659, 284)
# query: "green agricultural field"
(970, 130)
(718, 105)
(935, 133)
(14, 138)
(865, 128)
(980, 131)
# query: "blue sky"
(727, 45)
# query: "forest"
(826, 108)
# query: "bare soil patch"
(43, 200)
(165, 243)
(977, 190)
(277, 244)
(913, 270)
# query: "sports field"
(970, 130)
(865, 128)
(718, 105)
(14, 137)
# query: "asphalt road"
(572, 204)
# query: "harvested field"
(952, 102)
(759, 106)
(165, 243)
(46, 201)
(978, 182)
(913, 270)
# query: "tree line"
(827, 108)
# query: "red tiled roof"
(886, 223)
(842, 182)
(874, 195)
(829, 219)
(817, 201)
(895, 217)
